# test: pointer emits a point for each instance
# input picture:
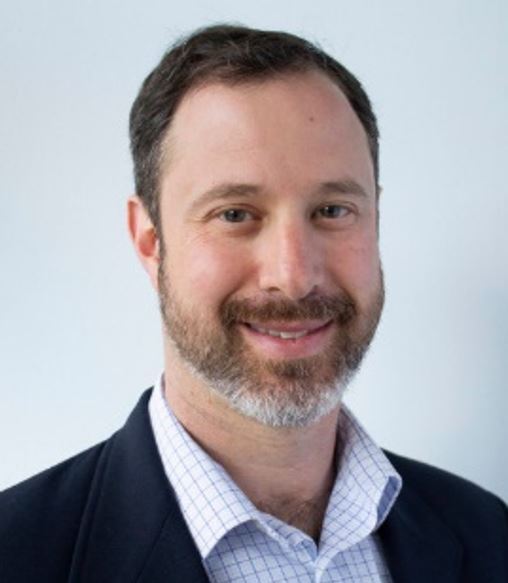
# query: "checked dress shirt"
(239, 543)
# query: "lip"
(316, 339)
(304, 326)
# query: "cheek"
(207, 271)
(359, 268)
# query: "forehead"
(297, 127)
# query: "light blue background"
(79, 336)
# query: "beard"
(276, 393)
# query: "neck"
(286, 472)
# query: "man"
(256, 219)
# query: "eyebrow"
(346, 186)
(229, 190)
(225, 191)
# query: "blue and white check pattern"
(239, 543)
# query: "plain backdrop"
(79, 325)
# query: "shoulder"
(44, 513)
(56, 480)
(458, 501)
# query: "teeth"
(292, 334)
(284, 335)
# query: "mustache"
(340, 307)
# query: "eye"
(333, 211)
(235, 215)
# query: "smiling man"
(256, 219)
(266, 261)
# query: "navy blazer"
(108, 515)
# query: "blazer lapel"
(132, 528)
(418, 547)
(174, 557)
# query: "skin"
(287, 136)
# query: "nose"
(290, 261)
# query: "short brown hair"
(232, 55)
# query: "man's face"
(270, 280)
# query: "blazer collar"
(132, 528)
(417, 545)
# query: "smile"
(288, 340)
(287, 333)
(277, 334)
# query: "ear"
(144, 237)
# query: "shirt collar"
(201, 485)
(365, 488)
